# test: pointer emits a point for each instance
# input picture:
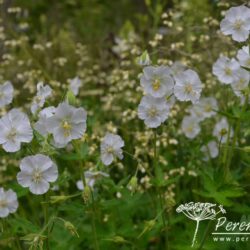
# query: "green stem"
(236, 133)
(46, 222)
(93, 222)
(159, 192)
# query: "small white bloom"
(91, 177)
(221, 130)
(190, 127)
(205, 108)
(14, 129)
(177, 68)
(68, 123)
(8, 202)
(36, 173)
(111, 147)
(188, 86)
(6, 93)
(75, 84)
(243, 56)
(240, 82)
(41, 124)
(43, 92)
(157, 82)
(210, 150)
(154, 111)
(224, 69)
(236, 23)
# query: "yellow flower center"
(110, 150)
(228, 71)
(12, 134)
(208, 108)
(152, 112)
(67, 128)
(3, 203)
(189, 129)
(156, 84)
(36, 176)
(188, 88)
(238, 24)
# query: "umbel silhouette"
(199, 212)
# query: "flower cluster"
(161, 85)
(58, 126)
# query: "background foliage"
(57, 40)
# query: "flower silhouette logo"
(200, 211)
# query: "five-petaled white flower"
(41, 124)
(190, 127)
(43, 92)
(36, 173)
(75, 84)
(91, 177)
(6, 93)
(225, 68)
(205, 108)
(240, 82)
(67, 123)
(156, 81)
(111, 147)
(8, 202)
(14, 129)
(221, 130)
(154, 111)
(237, 23)
(188, 86)
(210, 150)
(243, 56)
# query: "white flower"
(90, 178)
(36, 173)
(8, 202)
(190, 127)
(240, 82)
(75, 84)
(111, 147)
(205, 108)
(176, 68)
(154, 111)
(210, 150)
(224, 69)
(6, 93)
(221, 130)
(236, 23)
(41, 124)
(188, 86)
(68, 123)
(14, 129)
(243, 56)
(209, 106)
(156, 81)
(43, 92)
